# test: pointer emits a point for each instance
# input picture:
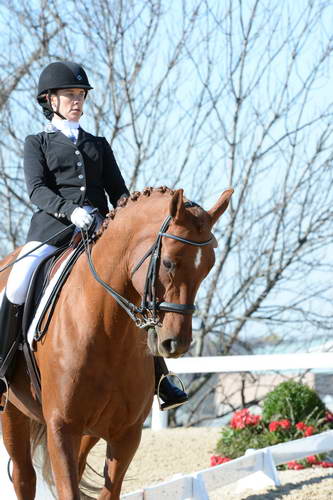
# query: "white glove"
(81, 218)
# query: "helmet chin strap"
(51, 108)
(60, 115)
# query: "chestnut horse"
(97, 374)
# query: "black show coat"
(62, 176)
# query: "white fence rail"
(258, 464)
(235, 364)
(255, 363)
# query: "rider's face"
(69, 103)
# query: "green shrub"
(234, 443)
(294, 401)
(291, 411)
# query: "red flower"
(309, 431)
(295, 465)
(242, 418)
(254, 419)
(217, 460)
(312, 459)
(238, 419)
(285, 424)
(325, 464)
(273, 426)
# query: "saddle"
(56, 267)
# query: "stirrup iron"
(172, 374)
(4, 394)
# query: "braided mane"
(147, 191)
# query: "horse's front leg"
(87, 443)
(119, 455)
(16, 438)
(63, 442)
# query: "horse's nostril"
(170, 346)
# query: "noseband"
(146, 315)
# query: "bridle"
(146, 315)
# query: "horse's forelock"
(197, 217)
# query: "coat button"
(79, 163)
(80, 176)
(82, 188)
(77, 152)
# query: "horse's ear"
(176, 207)
(221, 205)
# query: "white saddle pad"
(46, 295)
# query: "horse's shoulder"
(14, 253)
(5, 261)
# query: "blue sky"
(190, 143)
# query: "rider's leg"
(12, 305)
(20, 275)
(167, 391)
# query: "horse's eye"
(168, 264)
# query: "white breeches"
(20, 275)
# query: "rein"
(146, 315)
(67, 228)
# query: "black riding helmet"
(60, 75)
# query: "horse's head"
(184, 249)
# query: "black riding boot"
(10, 330)
(167, 391)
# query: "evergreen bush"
(294, 401)
(291, 411)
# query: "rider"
(68, 174)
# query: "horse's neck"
(112, 249)
(114, 326)
(110, 258)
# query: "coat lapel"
(83, 137)
(61, 138)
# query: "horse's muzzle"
(171, 346)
